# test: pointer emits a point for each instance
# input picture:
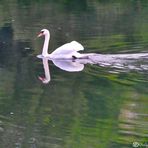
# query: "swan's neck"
(45, 46)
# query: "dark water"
(105, 105)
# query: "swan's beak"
(40, 34)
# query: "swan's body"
(66, 51)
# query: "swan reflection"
(117, 62)
(67, 65)
(47, 77)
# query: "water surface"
(102, 106)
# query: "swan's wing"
(68, 48)
(68, 65)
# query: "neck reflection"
(47, 77)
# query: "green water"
(93, 108)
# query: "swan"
(66, 51)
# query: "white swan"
(66, 51)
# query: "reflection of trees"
(132, 117)
(110, 20)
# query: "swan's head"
(43, 32)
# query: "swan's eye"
(42, 31)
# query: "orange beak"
(40, 34)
